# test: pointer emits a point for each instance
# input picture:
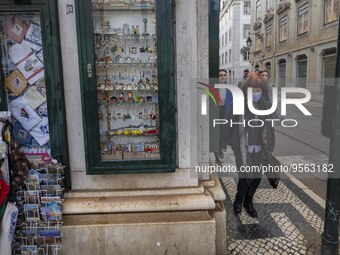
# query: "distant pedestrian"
(264, 76)
(222, 79)
(245, 75)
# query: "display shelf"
(141, 64)
(120, 36)
(115, 135)
(112, 7)
(134, 104)
(131, 155)
(127, 79)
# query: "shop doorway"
(328, 68)
(31, 79)
(282, 73)
(301, 71)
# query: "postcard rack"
(40, 212)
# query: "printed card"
(41, 132)
(34, 97)
(17, 52)
(31, 212)
(32, 184)
(52, 236)
(24, 113)
(31, 67)
(51, 190)
(51, 212)
(21, 135)
(33, 36)
(31, 197)
(29, 249)
(55, 199)
(16, 82)
(16, 29)
(51, 179)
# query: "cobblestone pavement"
(290, 221)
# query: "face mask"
(257, 96)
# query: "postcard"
(31, 197)
(55, 199)
(51, 179)
(51, 190)
(34, 174)
(31, 212)
(32, 184)
(29, 249)
(51, 212)
(49, 237)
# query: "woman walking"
(256, 139)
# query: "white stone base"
(220, 216)
(139, 233)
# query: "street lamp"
(249, 42)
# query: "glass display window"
(31, 80)
(127, 79)
(23, 71)
(130, 84)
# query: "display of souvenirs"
(38, 192)
(127, 79)
(124, 3)
(23, 66)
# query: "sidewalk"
(290, 219)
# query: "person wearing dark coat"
(250, 143)
(222, 79)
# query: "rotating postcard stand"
(40, 206)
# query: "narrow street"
(305, 144)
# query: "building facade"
(234, 31)
(296, 42)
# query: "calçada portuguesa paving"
(290, 220)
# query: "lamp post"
(249, 42)
(330, 239)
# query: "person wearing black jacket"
(250, 144)
(222, 79)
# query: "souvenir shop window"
(128, 76)
(28, 91)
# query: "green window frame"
(167, 108)
(53, 75)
